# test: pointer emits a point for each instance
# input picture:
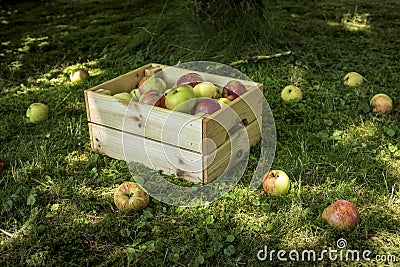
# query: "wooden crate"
(197, 148)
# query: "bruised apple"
(276, 182)
(341, 215)
(382, 104)
(130, 196)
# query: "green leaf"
(229, 250)
(31, 198)
(210, 219)
(230, 238)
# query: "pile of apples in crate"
(192, 94)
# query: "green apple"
(135, 93)
(276, 182)
(130, 196)
(180, 98)
(79, 74)
(205, 89)
(153, 83)
(223, 101)
(353, 79)
(37, 112)
(291, 92)
(123, 95)
(382, 104)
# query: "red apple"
(130, 196)
(276, 182)
(153, 97)
(207, 106)
(233, 89)
(190, 78)
(341, 215)
(382, 104)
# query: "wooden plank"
(171, 127)
(153, 154)
(231, 152)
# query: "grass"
(56, 204)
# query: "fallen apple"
(291, 92)
(130, 196)
(123, 96)
(233, 89)
(79, 74)
(205, 89)
(276, 182)
(190, 78)
(382, 104)
(135, 93)
(153, 83)
(207, 106)
(37, 112)
(341, 215)
(353, 79)
(180, 98)
(224, 101)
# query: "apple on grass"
(206, 106)
(353, 79)
(37, 112)
(79, 74)
(130, 196)
(291, 92)
(205, 89)
(276, 182)
(382, 104)
(233, 89)
(180, 98)
(341, 215)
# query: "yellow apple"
(353, 79)
(291, 92)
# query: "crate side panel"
(153, 154)
(174, 128)
(232, 151)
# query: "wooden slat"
(231, 152)
(175, 128)
(153, 154)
